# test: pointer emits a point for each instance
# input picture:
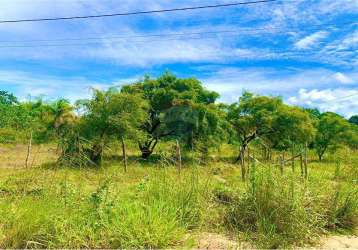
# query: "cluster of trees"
(171, 108)
(45, 120)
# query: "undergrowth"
(279, 211)
(152, 206)
(154, 213)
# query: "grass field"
(153, 206)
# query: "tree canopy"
(171, 108)
(180, 108)
(332, 129)
(110, 115)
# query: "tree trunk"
(147, 148)
(29, 147)
(124, 154)
(241, 153)
(96, 154)
(320, 156)
(321, 153)
(242, 161)
(146, 152)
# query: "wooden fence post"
(178, 151)
(306, 160)
(29, 146)
(282, 160)
(301, 163)
(124, 154)
(293, 159)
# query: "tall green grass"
(154, 213)
(277, 211)
(152, 206)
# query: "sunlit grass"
(152, 206)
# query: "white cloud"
(311, 40)
(342, 78)
(350, 41)
(270, 80)
(221, 49)
(27, 84)
(339, 100)
(278, 24)
(299, 87)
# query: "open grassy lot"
(154, 206)
(14, 155)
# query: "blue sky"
(303, 50)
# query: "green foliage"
(45, 120)
(352, 137)
(113, 114)
(108, 116)
(178, 108)
(7, 98)
(267, 118)
(156, 207)
(354, 119)
(155, 214)
(293, 126)
(332, 130)
(253, 117)
(277, 211)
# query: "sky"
(305, 51)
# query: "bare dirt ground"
(217, 241)
(339, 242)
(14, 156)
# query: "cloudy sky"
(303, 50)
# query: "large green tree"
(332, 130)
(293, 126)
(253, 117)
(110, 115)
(178, 108)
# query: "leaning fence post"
(29, 146)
